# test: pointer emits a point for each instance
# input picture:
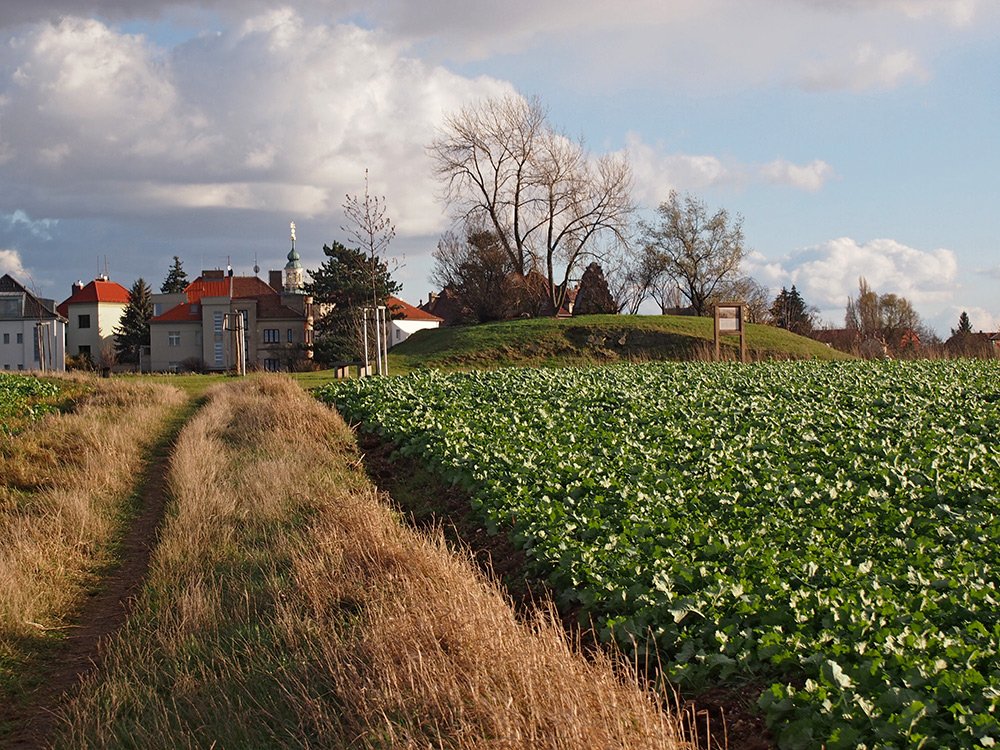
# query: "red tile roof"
(97, 290)
(242, 287)
(182, 313)
(405, 311)
(268, 307)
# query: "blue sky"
(854, 137)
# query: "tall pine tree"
(964, 324)
(348, 280)
(133, 328)
(177, 278)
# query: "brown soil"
(721, 718)
(32, 720)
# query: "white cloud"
(956, 12)
(277, 114)
(809, 177)
(827, 274)
(865, 69)
(656, 172)
(10, 262)
(19, 220)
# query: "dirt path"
(104, 611)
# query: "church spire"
(294, 275)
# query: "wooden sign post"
(730, 318)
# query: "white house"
(407, 320)
(93, 311)
(32, 334)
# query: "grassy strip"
(288, 607)
(64, 499)
(591, 340)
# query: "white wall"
(21, 356)
(401, 330)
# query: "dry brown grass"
(288, 607)
(64, 486)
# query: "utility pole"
(234, 322)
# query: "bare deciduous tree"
(548, 202)
(699, 253)
(371, 228)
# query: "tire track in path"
(102, 614)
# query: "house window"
(291, 336)
(157, 309)
(20, 338)
(6, 367)
(83, 321)
(217, 322)
(218, 353)
(6, 338)
(85, 351)
(272, 336)
(272, 365)
(173, 338)
(11, 305)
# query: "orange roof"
(97, 290)
(182, 313)
(242, 287)
(405, 311)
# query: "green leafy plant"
(23, 398)
(829, 528)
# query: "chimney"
(274, 281)
(76, 287)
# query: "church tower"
(294, 274)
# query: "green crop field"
(829, 530)
(23, 397)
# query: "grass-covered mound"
(592, 339)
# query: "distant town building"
(32, 333)
(195, 329)
(92, 312)
(405, 320)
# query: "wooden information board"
(730, 319)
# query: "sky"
(854, 137)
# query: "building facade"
(32, 333)
(92, 313)
(200, 328)
(407, 320)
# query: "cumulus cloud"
(827, 274)
(656, 171)
(867, 68)
(809, 177)
(736, 41)
(274, 114)
(10, 262)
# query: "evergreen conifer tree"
(964, 324)
(789, 311)
(594, 297)
(133, 328)
(346, 281)
(177, 278)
